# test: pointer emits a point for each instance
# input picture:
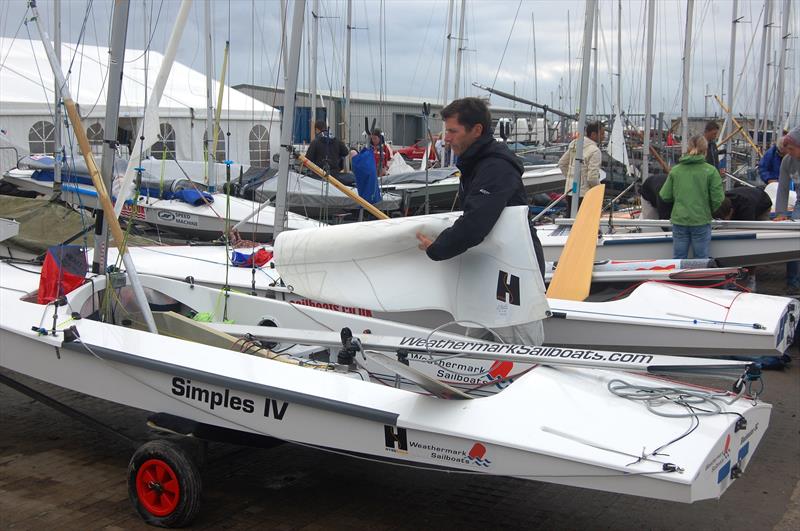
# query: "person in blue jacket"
(769, 167)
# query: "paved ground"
(57, 473)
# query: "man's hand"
(424, 241)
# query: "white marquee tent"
(27, 103)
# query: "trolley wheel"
(164, 484)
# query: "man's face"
(375, 139)
(599, 136)
(792, 150)
(711, 135)
(458, 136)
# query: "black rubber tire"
(185, 468)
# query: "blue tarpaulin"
(366, 176)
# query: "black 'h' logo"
(397, 440)
(508, 285)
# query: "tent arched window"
(219, 155)
(95, 135)
(165, 147)
(259, 146)
(41, 137)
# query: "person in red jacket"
(381, 151)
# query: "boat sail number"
(226, 399)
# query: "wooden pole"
(342, 188)
(745, 134)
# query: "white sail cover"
(377, 265)
(616, 144)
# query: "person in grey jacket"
(790, 172)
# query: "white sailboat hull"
(729, 247)
(566, 442)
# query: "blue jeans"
(698, 236)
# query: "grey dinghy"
(595, 433)
(763, 242)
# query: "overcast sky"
(402, 42)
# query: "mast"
(731, 95)
(779, 96)
(210, 167)
(687, 63)
(448, 41)
(591, 6)
(119, 33)
(284, 50)
(648, 91)
(347, 75)
(288, 115)
(536, 86)
(619, 59)
(149, 130)
(83, 142)
(764, 121)
(757, 124)
(460, 49)
(57, 129)
(569, 64)
(594, 77)
(314, 39)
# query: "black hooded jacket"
(491, 179)
(749, 204)
(327, 152)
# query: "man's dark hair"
(469, 112)
(724, 210)
(376, 132)
(711, 125)
(593, 127)
(320, 125)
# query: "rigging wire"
(505, 48)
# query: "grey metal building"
(399, 117)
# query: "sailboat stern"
(730, 456)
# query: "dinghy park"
(374, 264)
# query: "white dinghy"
(231, 385)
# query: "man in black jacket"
(745, 203)
(491, 179)
(650, 191)
(326, 151)
(710, 132)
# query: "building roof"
(368, 97)
(26, 84)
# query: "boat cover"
(377, 265)
(434, 175)
(310, 192)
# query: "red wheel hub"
(157, 487)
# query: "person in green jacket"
(695, 189)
